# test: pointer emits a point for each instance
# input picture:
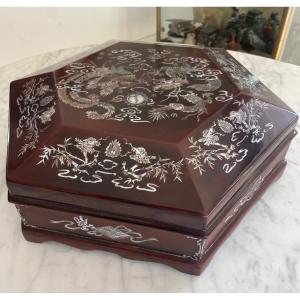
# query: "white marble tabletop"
(262, 254)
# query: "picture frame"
(285, 18)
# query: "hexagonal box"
(147, 150)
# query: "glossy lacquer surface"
(148, 132)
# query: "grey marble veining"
(262, 254)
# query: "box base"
(137, 253)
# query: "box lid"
(153, 133)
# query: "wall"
(28, 31)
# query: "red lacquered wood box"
(151, 151)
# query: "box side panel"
(97, 233)
(223, 155)
(147, 216)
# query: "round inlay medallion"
(137, 99)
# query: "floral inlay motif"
(146, 86)
(111, 232)
(240, 125)
(36, 106)
(125, 165)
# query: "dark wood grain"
(151, 151)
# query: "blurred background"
(271, 32)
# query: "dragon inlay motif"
(156, 85)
